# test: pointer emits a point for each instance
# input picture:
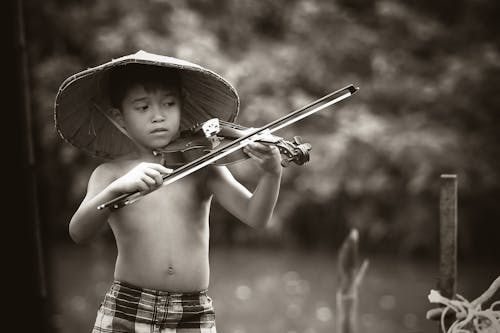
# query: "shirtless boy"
(162, 268)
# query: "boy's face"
(151, 116)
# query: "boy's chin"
(160, 141)
(160, 144)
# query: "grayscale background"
(428, 104)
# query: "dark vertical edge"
(27, 303)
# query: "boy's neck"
(146, 156)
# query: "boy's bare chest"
(184, 200)
(183, 194)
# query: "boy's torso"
(163, 238)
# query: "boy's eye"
(142, 107)
(169, 103)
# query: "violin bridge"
(211, 127)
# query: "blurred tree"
(429, 78)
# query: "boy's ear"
(117, 116)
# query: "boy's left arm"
(254, 209)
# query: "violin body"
(197, 142)
(192, 150)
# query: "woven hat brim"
(83, 99)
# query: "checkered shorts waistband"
(139, 305)
(125, 288)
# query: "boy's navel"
(170, 270)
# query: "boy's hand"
(144, 177)
(268, 157)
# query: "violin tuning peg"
(297, 140)
(285, 163)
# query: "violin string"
(233, 125)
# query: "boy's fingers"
(143, 186)
(262, 153)
(274, 149)
(259, 147)
(254, 156)
(155, 174)
(156, 166)
(251, 149)
(158, 179)
(166, 170)
(148, 180)
(161, 168)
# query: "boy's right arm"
(104, 186)
(87, 220)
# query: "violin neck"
(233, 132)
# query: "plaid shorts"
(127, 308)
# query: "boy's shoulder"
(113, 169)
(107, 172)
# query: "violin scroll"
(296, 151)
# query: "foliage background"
(428, 73)
(429, 78)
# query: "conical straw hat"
(82, 107)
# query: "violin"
(203, 138)
(240, 138)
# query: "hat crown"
(143, 56)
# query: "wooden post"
(447, 284)
(350, 276)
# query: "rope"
(469, 317)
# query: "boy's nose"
(158, 114)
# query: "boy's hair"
(123, 78)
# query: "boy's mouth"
(159, 130)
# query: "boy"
(162, 268)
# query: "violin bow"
(239, 143)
